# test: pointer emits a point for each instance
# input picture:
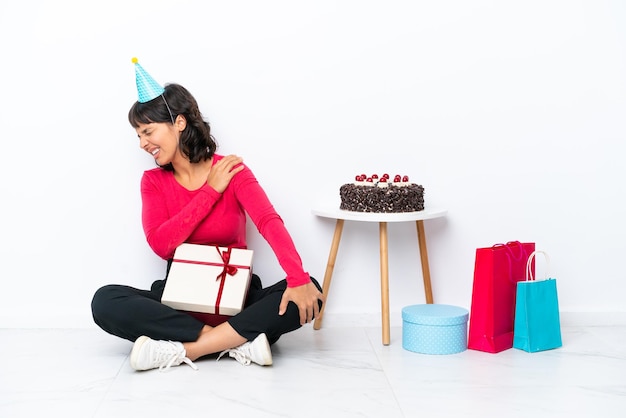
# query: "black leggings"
(129, 313)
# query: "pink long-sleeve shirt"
(171, 215)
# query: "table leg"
(421, 238)
(334, 247)
(384, 282)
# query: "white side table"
(382, 219)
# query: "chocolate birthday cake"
(381, 195)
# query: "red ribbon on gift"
(228, 269)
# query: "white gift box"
(208, 279)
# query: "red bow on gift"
(228, 268)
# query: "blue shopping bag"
(537, 324)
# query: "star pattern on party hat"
(147, 87)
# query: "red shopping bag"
(497, 270)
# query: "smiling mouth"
(155, 151)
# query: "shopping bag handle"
(529, 273)
(510, 254)
(508, 246)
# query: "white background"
(510, 114)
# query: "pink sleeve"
(270, 225)
(165, 233)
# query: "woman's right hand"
(223, 171)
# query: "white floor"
(336, 371)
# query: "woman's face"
(160, 140)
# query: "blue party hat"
(147, 87)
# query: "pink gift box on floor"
(208, 279)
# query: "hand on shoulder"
(223, 171)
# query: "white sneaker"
(257, 351)
(150, 354)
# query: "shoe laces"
(241, 354)
(168, 354)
